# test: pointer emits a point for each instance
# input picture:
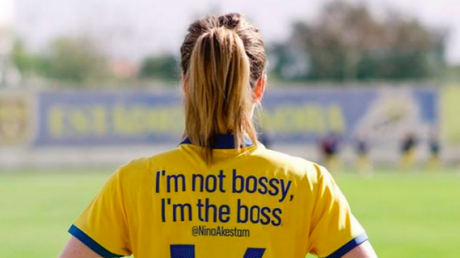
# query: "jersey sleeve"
(103, 225)
(334, 230)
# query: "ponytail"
(218, 78)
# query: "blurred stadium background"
(369, 88)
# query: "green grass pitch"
(405, 214)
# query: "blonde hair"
(221, 59)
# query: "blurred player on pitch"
(330, 147)
(434, 145)
(362, 148)
(408, 145)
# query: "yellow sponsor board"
(122, 121)
(306, 119)
(451, 114)
(15, 118)
(99, 120)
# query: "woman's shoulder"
(148, 164)
(292, 164)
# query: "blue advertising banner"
(307, 115)
(288, 115)
(100, 118)
(299, 115)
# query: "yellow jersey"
(256, 203)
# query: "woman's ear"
(259, 88)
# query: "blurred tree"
(76, 60)
(26, 62)
(288, 62)
(164, 67)
(21, 59)
(453, 73)
(346, 43)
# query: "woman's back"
(256, 201)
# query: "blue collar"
(223, 141)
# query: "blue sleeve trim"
(349, 246)
(93, 245)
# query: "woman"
(220, 193)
